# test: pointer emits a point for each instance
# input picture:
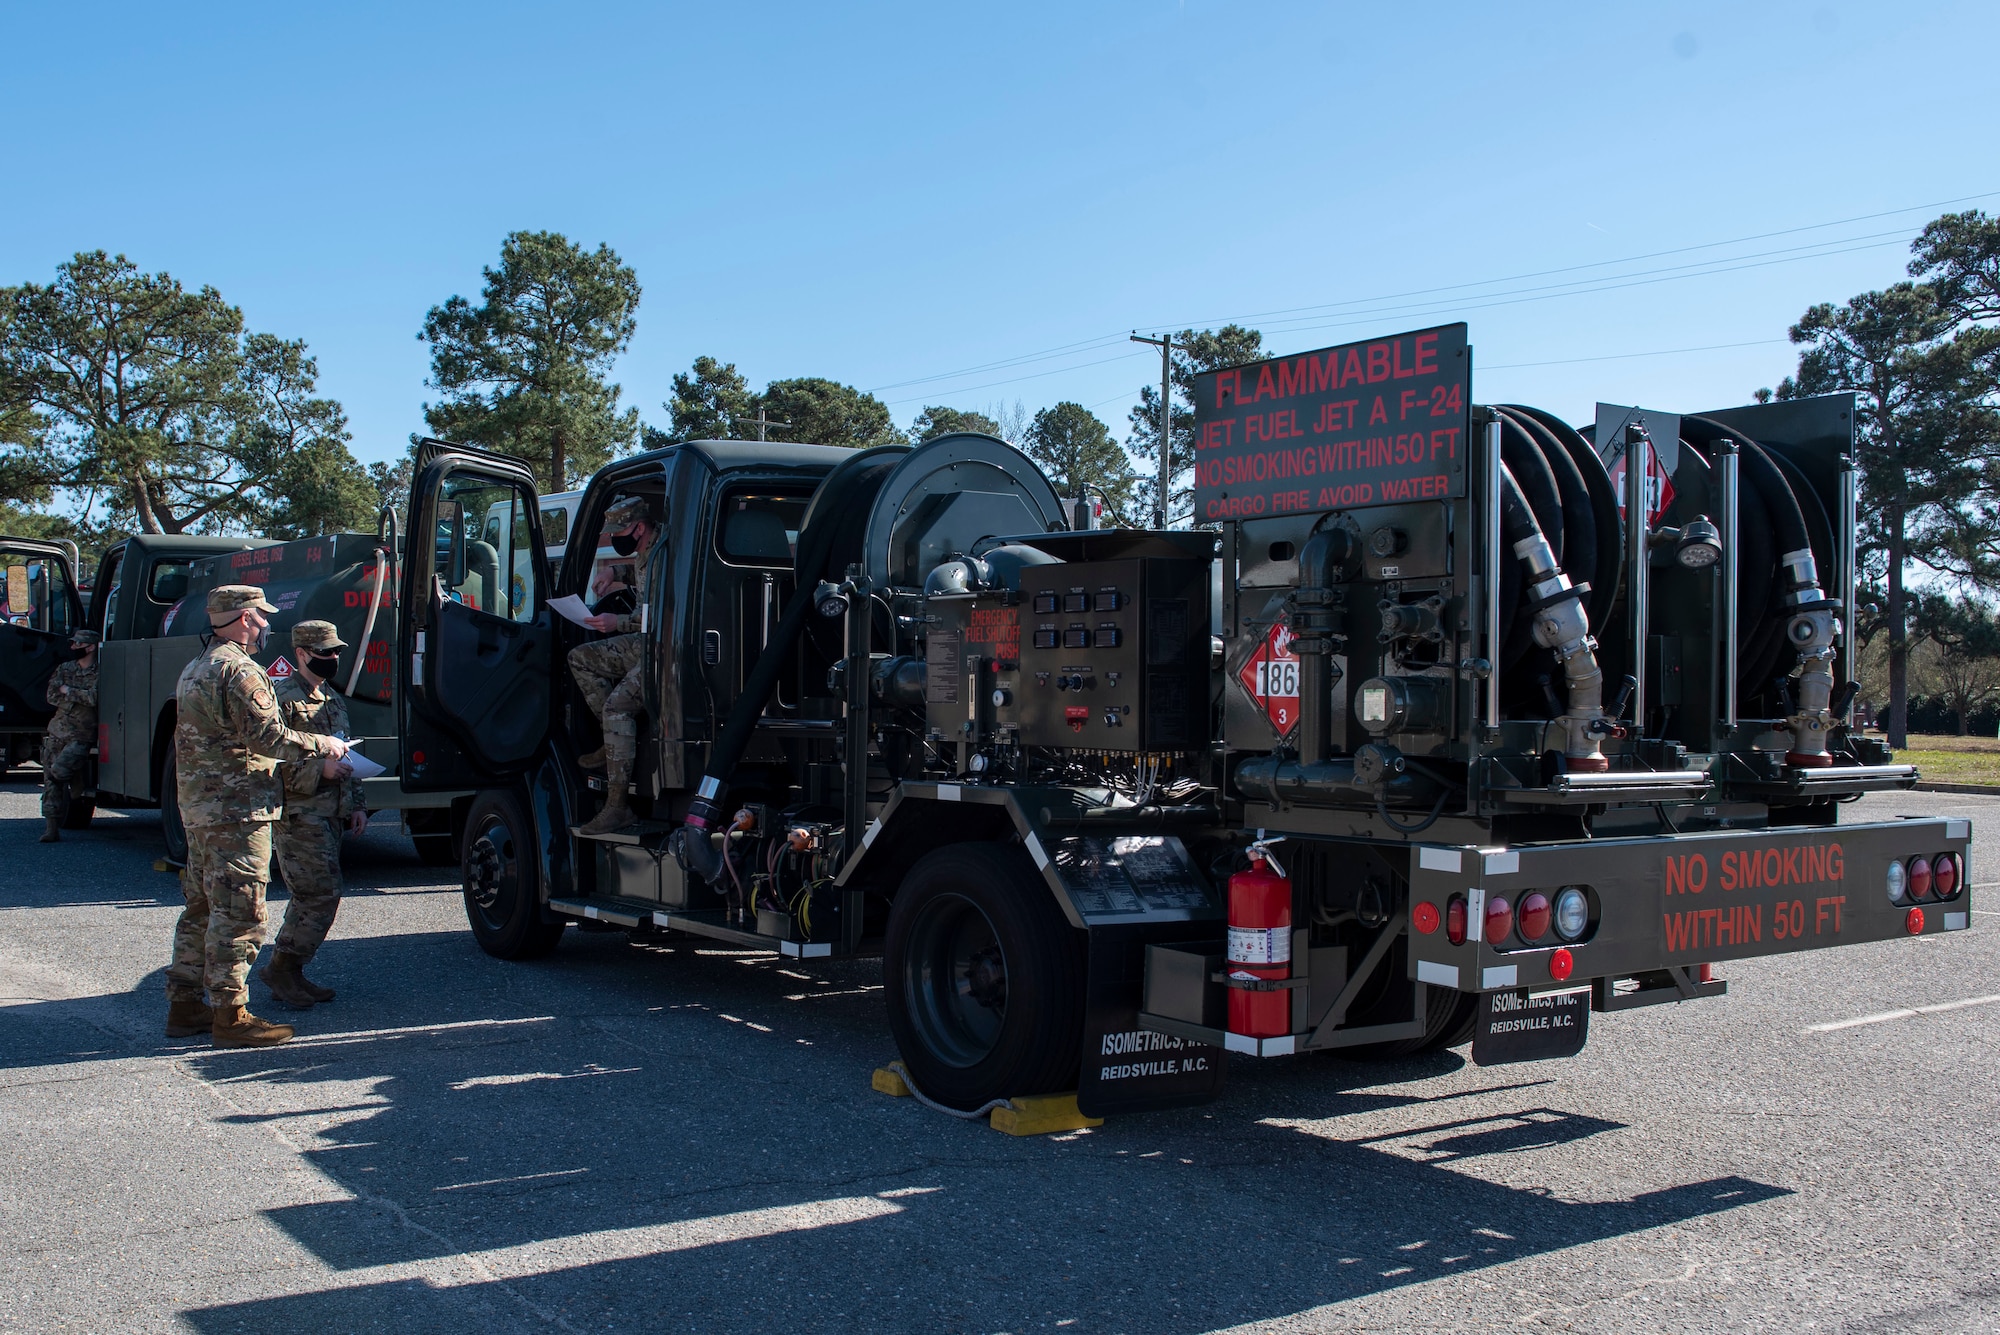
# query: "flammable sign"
(1271, 676)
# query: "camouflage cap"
(317, 635)
(627, 512)
(86, 639)
(225, 598)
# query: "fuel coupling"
(1814, 631)
(1560, 626)
(1411, 621)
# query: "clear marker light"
(1896, 882)
(1572, 913)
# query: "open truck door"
(42, 609)
(476, 640)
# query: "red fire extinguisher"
(1260, 944)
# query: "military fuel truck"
(151, 592)
(1453, 722)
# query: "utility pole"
(764, 423)
(1165, 343)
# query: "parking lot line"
(1906, 1013)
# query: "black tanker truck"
(1519, 734)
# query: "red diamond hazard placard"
(1272, 678)
(1659, 487)
(279, 669)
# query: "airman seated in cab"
(607, 671)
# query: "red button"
(1561, 964)
(1424, 917)
(1914, 921)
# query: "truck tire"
(81, 809)
(1464, 1020)
(503, 900)
(171, 830)
(1447, 1013)
(984, 978)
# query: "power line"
(1604, 264)
(1299, 316)
(1627, 356)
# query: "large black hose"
(1773, 506)
(829, 540)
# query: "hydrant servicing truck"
(1452, 722)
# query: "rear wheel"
(171, 829)
(503, 901)
(81, 809)
(984, 978)
(1448, 1020)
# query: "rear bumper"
(1683, 900)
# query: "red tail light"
(1454, 920)
(1499, 919)
(1944, 875)
(1920, 877)
(1424, 917)
(1534, 915)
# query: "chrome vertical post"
(1731, 565)
(1490, 576)
(1850, 576)
(1637, 567)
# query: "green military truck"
(148, 603)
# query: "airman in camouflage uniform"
(317, 810)
(72, 691)
(228, 738)
(607, 671)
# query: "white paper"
(571, 606)
(363, 767)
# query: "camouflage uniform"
(228, 737)
(316, 808)
(71, 733)
(607, 671)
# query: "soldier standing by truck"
(607, 671)
(72, 732)
(228, 733)
(317, 810)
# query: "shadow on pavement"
(657, 1140)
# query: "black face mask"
(323, 668)
(625, 543)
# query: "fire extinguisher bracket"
(1259, 984)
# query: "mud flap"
(1517, 1027)
(1126, 1068)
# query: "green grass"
(1955, 759)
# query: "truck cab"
(43, 608)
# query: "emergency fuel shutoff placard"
(1362, 424)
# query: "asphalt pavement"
(644, 1137)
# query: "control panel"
(1086, 655)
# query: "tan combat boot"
(188, 1016)
(52, 834)
(236, 1027)
(287, 982)
(616, 814)
(591, 760)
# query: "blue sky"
(892, 195)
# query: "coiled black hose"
(1778, 511)
(1570, 500)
